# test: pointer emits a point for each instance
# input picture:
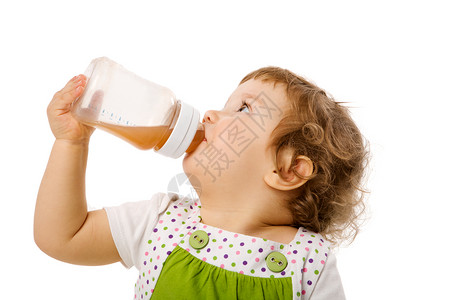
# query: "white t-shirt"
(146, 232)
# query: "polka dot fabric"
(306, 254)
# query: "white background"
(389, 59)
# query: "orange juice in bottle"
(140, 112)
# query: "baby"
(278, 181)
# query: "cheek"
(236, 137)
(234, 147)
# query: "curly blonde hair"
(331, 202)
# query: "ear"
(284, 179)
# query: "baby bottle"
(141, 112)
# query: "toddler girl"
(278, 179)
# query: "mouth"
(204, 140)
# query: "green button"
(276, 262)
(199, 239)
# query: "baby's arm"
(63, 228)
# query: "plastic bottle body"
(141, 112)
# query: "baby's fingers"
(72, 90)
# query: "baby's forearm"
(61, 207)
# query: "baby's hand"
(64, 126)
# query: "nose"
(211, 116)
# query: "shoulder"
(141, 214)
(177, 213)
(180, 208)
(313, 250)
(309, 241)
(182, 201)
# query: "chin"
(193, 173)
(188, 163)
(189, 167)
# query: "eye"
(244, 105)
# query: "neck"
(248, 213)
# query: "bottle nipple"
(187, 134)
